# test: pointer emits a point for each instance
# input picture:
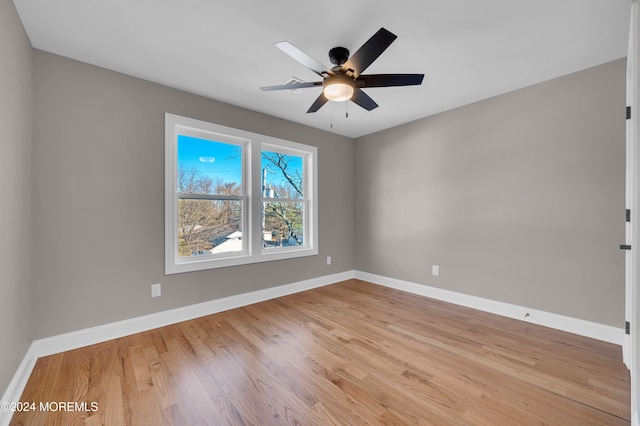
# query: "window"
(234, 197)
(283, 203)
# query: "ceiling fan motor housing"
(338, 55)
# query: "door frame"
(631, 350)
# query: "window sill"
(204, 263)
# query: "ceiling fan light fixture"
(338, 88)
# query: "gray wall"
(99, 172)
(519, 198)
(17, 252)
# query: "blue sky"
(220, 160)
(214, 159)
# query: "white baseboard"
(18, 382)
(102, 333)
(626, 351)
(93, 335)
(560, 322)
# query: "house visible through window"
(234, 197)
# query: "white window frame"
(253, 145)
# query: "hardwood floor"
(347, 354)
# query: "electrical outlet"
(156, 290)
(435, 270)
(328, 260)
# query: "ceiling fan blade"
(303, 58)
(319, 102)
(386, 80)
(362, 99)
(292, 86)
(369, 52)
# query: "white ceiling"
(468, 49)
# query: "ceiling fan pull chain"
(331, 122)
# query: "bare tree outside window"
(205, 224)
(282, 186)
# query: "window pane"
(209, 227)
(208, 167)
(282, 224)
(282, 175)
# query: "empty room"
(342, 213)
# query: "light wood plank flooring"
(352, 353)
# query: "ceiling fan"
(345, 80)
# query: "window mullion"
(255, 199)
